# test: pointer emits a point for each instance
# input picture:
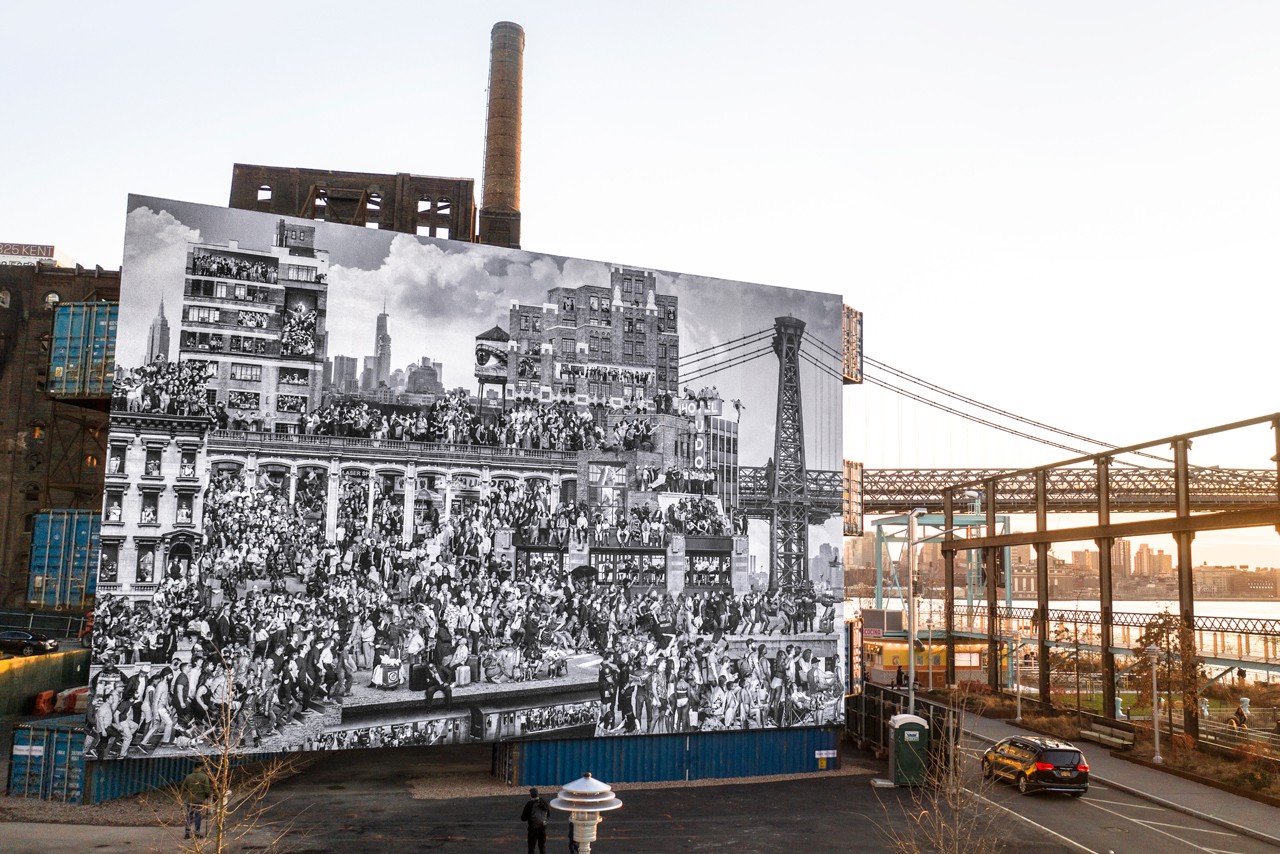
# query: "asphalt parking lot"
(348, 802)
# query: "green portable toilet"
(908, 750)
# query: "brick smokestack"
(500, 207)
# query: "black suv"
(1038, 763)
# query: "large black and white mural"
(368, 489)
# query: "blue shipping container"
(64, 560)
(46, 760)
(687, 756)
(82, 353)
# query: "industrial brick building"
(52, 448)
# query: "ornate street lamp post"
(584, 799)
(1153, 653)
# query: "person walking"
(196, 788)
(536, 814)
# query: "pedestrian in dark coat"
(536, 814)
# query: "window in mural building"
(150, 512)
(607, 484)
(146, 571)
(708, 570)
(109, 563)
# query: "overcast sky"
(1067, 210)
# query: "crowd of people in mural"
(171, 388)
(452, 419)
(271, 623)
(697, 683)
(224, 267)
(298, 335)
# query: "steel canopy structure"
(1261, 509)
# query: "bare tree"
(237, 807)
(950, 813)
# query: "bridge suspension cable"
(686, 362)
(826, 369)
(970, 416)
(757, 334)
(998, 411)
(704, 371)
(831, 351)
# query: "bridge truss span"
(1071, 490)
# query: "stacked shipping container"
(82, 353)
(64, 560)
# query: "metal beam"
(1106, 590)
(1042, 587)
(1253, 518)
(993, 615)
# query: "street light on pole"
(1017, 670)
(929, 623)
(912, 542)
(911, 609)
(1153, 652)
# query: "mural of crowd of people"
(299, 606)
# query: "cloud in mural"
(154, 257)
(439, 298)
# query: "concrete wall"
(22, 678)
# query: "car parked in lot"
(22, 642)
(1037, 763)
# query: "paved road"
(1108, 820)
(362, 801)
(813, 816)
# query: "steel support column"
(1275, 431)
(1186, 585)
(994, 669)
(789, 536)
(1042, 587)
(1105, 590)
(949, 585)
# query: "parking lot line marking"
(1184, 827)
(1123, 804)
(1150, 826)
(1068, 840)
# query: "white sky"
(1067, 209)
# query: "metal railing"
(55, 625)
(1253, 639)
(346, 445)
